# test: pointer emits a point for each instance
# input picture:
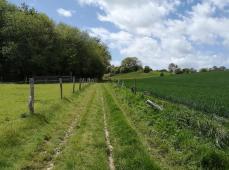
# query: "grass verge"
(178, 138)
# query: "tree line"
(133, 64)
(31, 44)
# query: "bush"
(147, 69)
(204, 70)
(178, 71)
(162, 74)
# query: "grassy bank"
(177, 137)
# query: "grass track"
(87, 148)
(128, 151)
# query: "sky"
(189, 33)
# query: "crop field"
(208, 92)
(75, 133)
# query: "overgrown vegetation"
(203, 91)
(32, 44)
(177, 137)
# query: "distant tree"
(222, 68)
(214, 68)
(178, 71)
(124, 69)
(132, 64)
(192, 70)
(147, 69)
(186, 70)
(172, 67)
(116, 70)
(204, 70)
(163, 70)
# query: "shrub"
(204, 70)
(147, 69)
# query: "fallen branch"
(154, 105)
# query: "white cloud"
(149, 30)
(64, 12)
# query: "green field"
(208, 92)
(136, 75)
(14, 98)
(70, 133)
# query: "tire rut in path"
(69, 132)
(107, 138)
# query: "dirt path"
(107, 137)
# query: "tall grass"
(178, 137)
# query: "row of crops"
(208, 92)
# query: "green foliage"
(147, 69)
(204, 70)
(31, 44)
(131, 64)
(162, 74)
(203, 91)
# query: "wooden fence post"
(135, 87)
(80, 84)
(31, 96)
(61, 88)
(74, 80)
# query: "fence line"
(83, 82)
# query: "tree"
(179, 71)
(222, 68)
(172, 67)
(32, 44)
(186, 70)
(204, 70)
(192, 70)
(132, 64)
(147, 69)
